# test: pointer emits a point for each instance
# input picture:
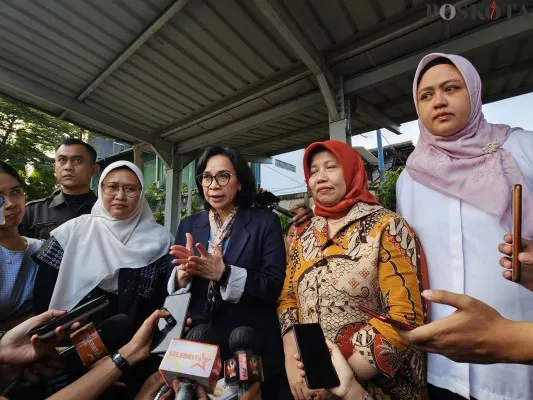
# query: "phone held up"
(314, 353)
(77, 314)
(517, 231)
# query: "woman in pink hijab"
(457, 195)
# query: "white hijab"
(97, 245)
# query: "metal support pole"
(189, 186)
(381, 160)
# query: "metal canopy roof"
(260, 75)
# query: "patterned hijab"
(471, 164)
(355, 177)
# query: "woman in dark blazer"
(232, 257)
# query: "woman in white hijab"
(117, 250)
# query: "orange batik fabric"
(375, 260)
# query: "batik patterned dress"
(374, 260)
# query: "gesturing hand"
(473, 333)
(207, 266)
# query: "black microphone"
(245, 366)
(270, 201)
(203, 334)
(112, 334)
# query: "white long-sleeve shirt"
(461, 246)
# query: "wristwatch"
(225, 275)
(120, 362)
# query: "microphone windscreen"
(201, 333)
(115, 332)
(243, 338)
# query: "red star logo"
(201, 364)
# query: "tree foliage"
(386, 193)
(27, 140)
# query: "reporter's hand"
(151, 386)
(201, 393)
(138, 348)
(349, 388)
(253, 392)
(17, 347)
(302, 213)
(297, 384)
(474, 333)
(525, 257)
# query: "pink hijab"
(471, 164)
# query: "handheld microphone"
(195, 359)
(270, 201)
(92, 344)
(245, 366)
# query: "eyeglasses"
(111, 189)
(222, 179)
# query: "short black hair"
(8, 169)
(431, 64)
(314, 152)
(72, 141)
(245, 196)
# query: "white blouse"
(461, 246)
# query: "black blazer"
(256, 244)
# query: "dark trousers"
(436, 393)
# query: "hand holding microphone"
(245, 367)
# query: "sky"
(515, 111)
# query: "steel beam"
(303, 48)
(285, 135)
(242, 96)
(157, 24)
(20, 87)
(377, 116)
(489, 33)
(263, 117)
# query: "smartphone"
(517, 231)
(401, 325)
(2, 210)
(171, 327)
(47, 331)
(319, 370)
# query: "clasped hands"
(207, 266)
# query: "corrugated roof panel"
(334, 18)
(52, 71)
(171, 90)
(237, 42)
(210, 51)
(160, 66)
(186, 133)
(390, 8)
(310, 24)
(28, 38)
(253, 33)
(288, 92)
(219, 120)
(362, 14)
(254, 13)
(29, 14)
(251, 107)
(41, 77)
(143, 119)
(125, 95)
(194, 62)
(126, 117)
(140, 92)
